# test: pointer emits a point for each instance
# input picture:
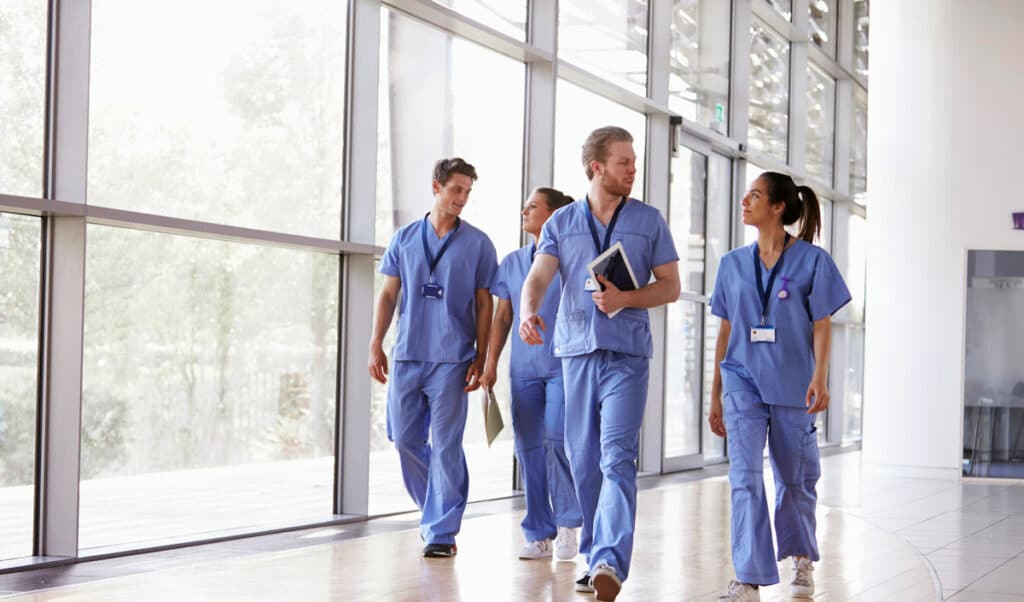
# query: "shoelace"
(803, 573)
(736, 589)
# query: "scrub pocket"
(571, 334)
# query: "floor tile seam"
(987, 573)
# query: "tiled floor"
(882, 538)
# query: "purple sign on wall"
(1018, 221)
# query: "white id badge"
(590, 286)
(764, 334)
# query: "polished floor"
(882, 538)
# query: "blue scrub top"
(439, 330)
(581, 328)
(778, 372)
(528, 361)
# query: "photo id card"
(589, 285)
(764, 334)
(432, 291)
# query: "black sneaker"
(439, 550)
(583, 584)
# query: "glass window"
(242, 125)
(749, 232)
(859, 147)
(699, 62)
(23, 25)
(825, 238)
(683, 374)
(19, 344)
(861, 29)
(506, 16)
(579, 112)
(607, 38)
(855, 272)
(462, 87)
(719, 224)
(822, 15)
(209, 380)
(784, 7)
(821, 124)
(853, 383)
(769, 91)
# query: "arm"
(484, 308)
(715, 419)
(536, 286)
(378, 363)
(818, 389)
(664, 289)
(500, 326)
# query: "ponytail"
(811, 226)
(801, 203)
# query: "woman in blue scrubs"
(775, 298)
(538, 398)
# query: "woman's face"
(535, 213)
(758, 211)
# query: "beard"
(616, 187)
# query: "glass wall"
(19, 355)
(859, 147)
(699, 62)
(822, 15)
(209, 384)
(23, 26)
(769, 91)
(579, 112)
(243, 125)
(718, 236)
(861, 28)
(609, 39)
(821, 124)
(683, 374)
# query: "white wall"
(946, 123)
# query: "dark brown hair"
(596, 146)
(444, 168)
(554, 199)
(801, 203)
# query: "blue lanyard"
(433, 261)
(608, 232)
(763, 294)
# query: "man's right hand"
(378, 364)
(528, 332)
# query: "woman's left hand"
(817, 393)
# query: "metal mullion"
(739, 80)
(461, 26)
(773, 19)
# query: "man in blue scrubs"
(538, 398)
(440, 268)
(604, 360)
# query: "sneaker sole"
(606, 587)
(548, 555)
(584, 589)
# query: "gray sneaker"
(802, 583)
(741, 592)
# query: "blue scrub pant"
(793, 449)
(604, 408)
(426, 398)
(538, 420)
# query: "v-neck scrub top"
(581, 328)
(780, 372)
(439, 330)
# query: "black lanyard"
(762, 293)
(433, 261)
(533, 251)
(608, 232)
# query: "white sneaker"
(606, 583)
(802, 583)
(566, 546)
(741, 592)
(535, 549)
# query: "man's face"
(453, 195)
(618, 171)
